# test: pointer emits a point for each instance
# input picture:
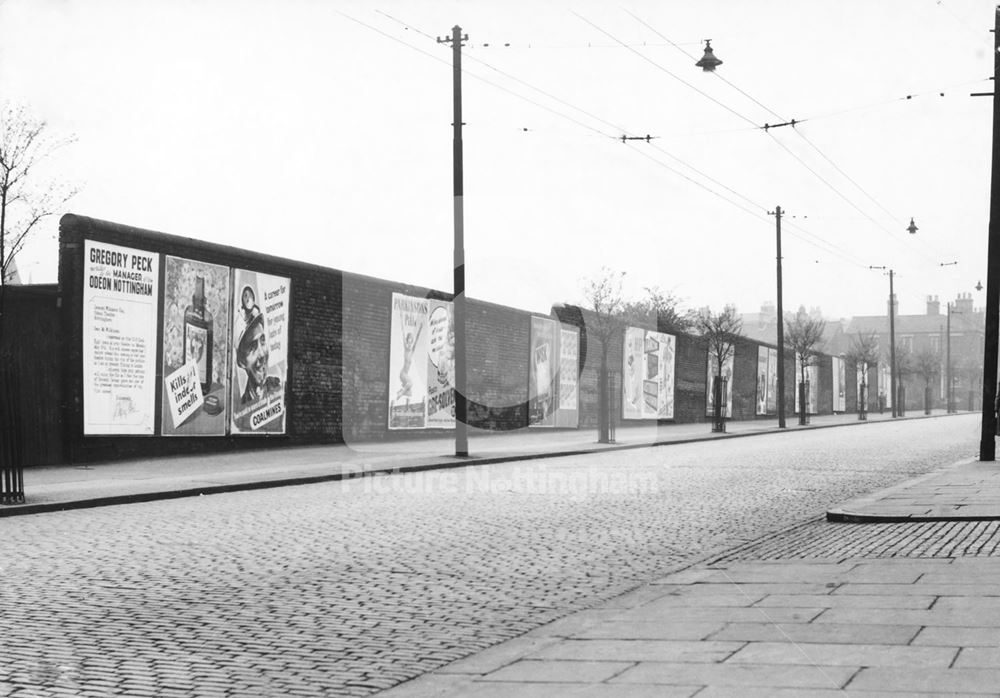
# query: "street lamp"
(708, 61)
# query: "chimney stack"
(933, 305)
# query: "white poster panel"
(120, 291)
(648, 374)
(668, 361)
(633, 373)
(408, 361)
(727, 373)
(761, 380)
(772, 381)
(568, 414)
(885, 385)
(441, 364)
(863, 387)
(839, 386)
(260, 352)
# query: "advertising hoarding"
(542, 372)
(196, 306)
(421, 363)
(120, 295)
(648, 374)
(762, 380)
(568, 414)
(727, 373)
(259, 362)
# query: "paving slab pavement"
(817, 628)
(56, 488)
(889, 625)
(965, 491)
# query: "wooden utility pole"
(461, 406)
(987, 442)
(892, 346)
(781, 330)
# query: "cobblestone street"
(348, 588)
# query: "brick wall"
(339, 343)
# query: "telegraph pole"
(461, 407)
(781, 330)
(892, 345)
(987, 442)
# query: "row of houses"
(953, 335)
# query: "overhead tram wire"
(792, 123)
(817, 242)
(832, 248)
(668, 72)
(480, 78)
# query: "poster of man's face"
(260, 351)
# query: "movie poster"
(408, 352)
(196, 304)
(772, 381)
(648, 374)
(568, 414)
(440, 364)
(761, 380)
(839, 385)
(727, 373)
(259, 362)
(542, 372)
(120, 292)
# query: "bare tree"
(664, 308)
(927, 365)
(603, 297)
(863, 351)
(804, 336)
(720, 330)
(26, 197)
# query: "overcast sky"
(321, 131)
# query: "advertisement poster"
(440, 364)
(421, 363)
(761, 380)
(727, 373)
(839, 385)
(885, 385)
(120, 290)
(259, 352)
(568, 414)
(648, 375)
(772, 381)
(196, 304)
(542, 372)
(862, 376)
(633, 373)
(812, 386)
